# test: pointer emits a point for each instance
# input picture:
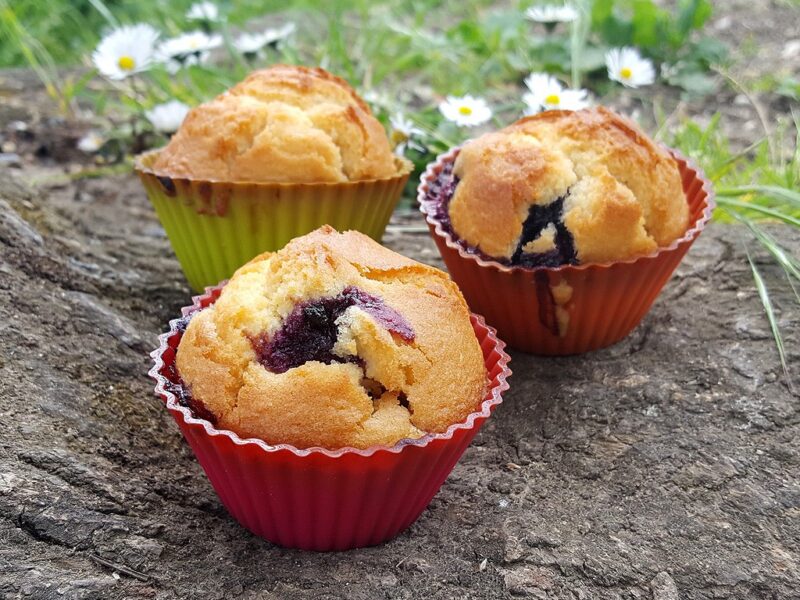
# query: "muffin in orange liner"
(370, 477)
(280, 154)
(541, 296)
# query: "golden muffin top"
(565, 187)
(285, 124)
(334, 341)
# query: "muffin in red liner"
(315, 498)
(568, 309)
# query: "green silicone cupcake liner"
(217, 226)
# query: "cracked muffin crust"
(285, 124)
(565, 187)
(334, 341)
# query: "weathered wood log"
(666, 466)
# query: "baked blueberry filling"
(539, 217)
(375, 389)
(310, 331)
(175, 384)
(443, 188)
(441, 192)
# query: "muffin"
(284, 124)
(334, 341)
(317, 498)
(285, 151)
(562, 228)
(566, 188)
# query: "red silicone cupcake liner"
(571, 308)
(319, 499)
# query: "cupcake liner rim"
(142, 166)
(498, 385)
(426, 208)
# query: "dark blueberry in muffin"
(540, 220)
(310, 331)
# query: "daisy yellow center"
(625, 72)
(126, 63)
(398, 137)
(465, 110)
(552, 99)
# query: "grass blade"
(36, 56)
(773, 191)
(723, 201)
(731, 161)
(791, 284)
(787, 261)
(103, 10)
(763, 293)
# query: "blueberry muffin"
(563, 187)
(333, 341)
(285, 124)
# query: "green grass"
(759, 180)
(764, 295)
(69, 29)
(755, 187)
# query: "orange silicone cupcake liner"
(315, 498)
(215, 227)
(571, 308)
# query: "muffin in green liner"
(282, 153)
(215, 227)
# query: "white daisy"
(276, 36)
(252, 43)
(375, 98)
(173, 65)
(542, 81)
(465, 111)
(628, 67)
(91, 142)
(203, 11)
(187, 49)
(403, 134)
(249, 43)
(550, 14)
(127, 50)
(547, 93)
(186, 44)
(167, 117)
